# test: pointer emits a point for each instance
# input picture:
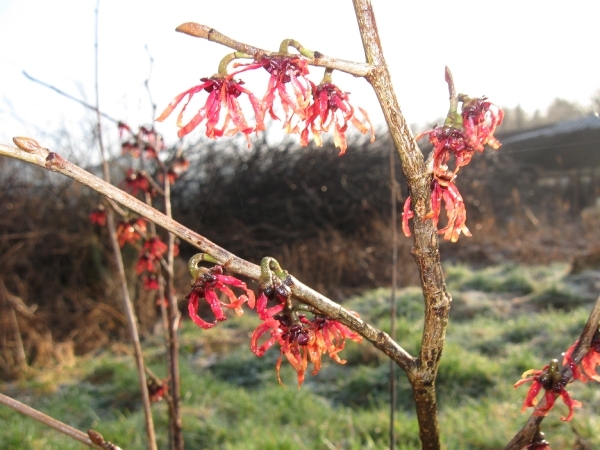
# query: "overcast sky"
(515, 52)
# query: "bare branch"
(69, 96)
(30, 151)
(118, 257)
(320, 60)
(47, 420)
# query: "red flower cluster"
(146, 141)
(205, 286)
(589, 363)
(149, 262)
(222, 92)
(177, 167)
(469, 133)
(130, 231)
(332, 108)
(137, 181)
(302, 341)
(286, 71)
(305, 106)
(552, 381)
(98, 217)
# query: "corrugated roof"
(568, 126)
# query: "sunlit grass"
(232, 400)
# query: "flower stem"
(453, 119)
(286, 43)
(227, 59)
(47, 420)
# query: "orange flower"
(302, 341)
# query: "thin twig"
(358, 69)
(47, 420)
(122, 279)
(69, 96)
(173, 319)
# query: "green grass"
(505, 320)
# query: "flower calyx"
(207, 283)
(551, 379)
(538, 442)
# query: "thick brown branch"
(202, 31)
(426, 249)
(30, 151)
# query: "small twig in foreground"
(50, 421)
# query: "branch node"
(194, 29)
(30, 146)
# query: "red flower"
(480, 119)
(221, 93)
(151, 282)
(155, 247)
(455, 211)
(448, 141)
(98, 217)
(157, 389)
(131, 148)
(551, 380)
(288, 82)
(137, 181)
(204, 288)
(589, 363)
(145, 264)
(302, 340)
(331, 107)
(123, 128)
(177, 167)
(130, 231)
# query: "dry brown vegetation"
(325, 217)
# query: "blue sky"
(525, 52)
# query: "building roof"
(566, 145)
(591, 121)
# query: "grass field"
(505, 320)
